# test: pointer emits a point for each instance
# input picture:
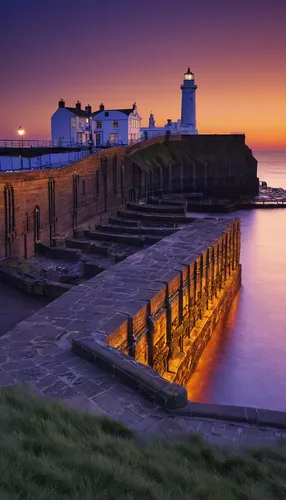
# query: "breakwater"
(159, 307)
(43, 206)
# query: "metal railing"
(35, 143)
(20, 164)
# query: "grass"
(48, 452)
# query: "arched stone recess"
(9, 219)
(52, 208)
(37, 226)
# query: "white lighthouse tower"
(188, 115)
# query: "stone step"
(149, 217)
(127, 239)
(87, 246)
(137, 223)
(124, 222)
(162, 201)
(61, 253)
(165, 209)
(159, 231)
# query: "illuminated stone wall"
(170, 331)
(160, 306)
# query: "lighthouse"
(188, 115)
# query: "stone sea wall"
(147, 319)
(160, 306)
(42, 206)
(215, 165)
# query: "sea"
(245, 360)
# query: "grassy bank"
(50, 452)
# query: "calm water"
(245, 361)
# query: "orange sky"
(236, 50)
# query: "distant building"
(187, 124)
(116, 126)
(72, 125)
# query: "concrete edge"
(139, 377)
(238, 414)
(172, 397)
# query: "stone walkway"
(47, 365)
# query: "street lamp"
(21, 133)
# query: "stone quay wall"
(147, 319)
(168, 298)
(41, 206)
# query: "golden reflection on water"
(200, 382)
(245, 360)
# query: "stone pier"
(160, 306)
(145, 321)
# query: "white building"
(71, 125)
(116, 126)
(187, 124)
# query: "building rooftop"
(78, 112)
(125, 111)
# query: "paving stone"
(90, 389)
(79, 380)
(109, 404)
(149, 424)
(46, 381)
(6, 379)
(33, 373)
(82, 403)
(251, 432)
(170, 428)
(61, 371)
(55, 388)
(11, 366)
(65, 393)
(218, 429)
(127, 416)
(120, 391)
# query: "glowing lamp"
(189, 75)
(21, 131)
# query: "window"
(87, 120)
(115, 124)
(83, 186)
(73, 120)
(98, 124)
(81, 122)
(97, 139)
(106, 113)
(113, 138)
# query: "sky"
(122, 51)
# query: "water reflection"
(245, 361)
(200, 386)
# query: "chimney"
(78, 105)
(134, 107)
(101, 107)
(62, 103)
(169, 122)
(88, 109)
